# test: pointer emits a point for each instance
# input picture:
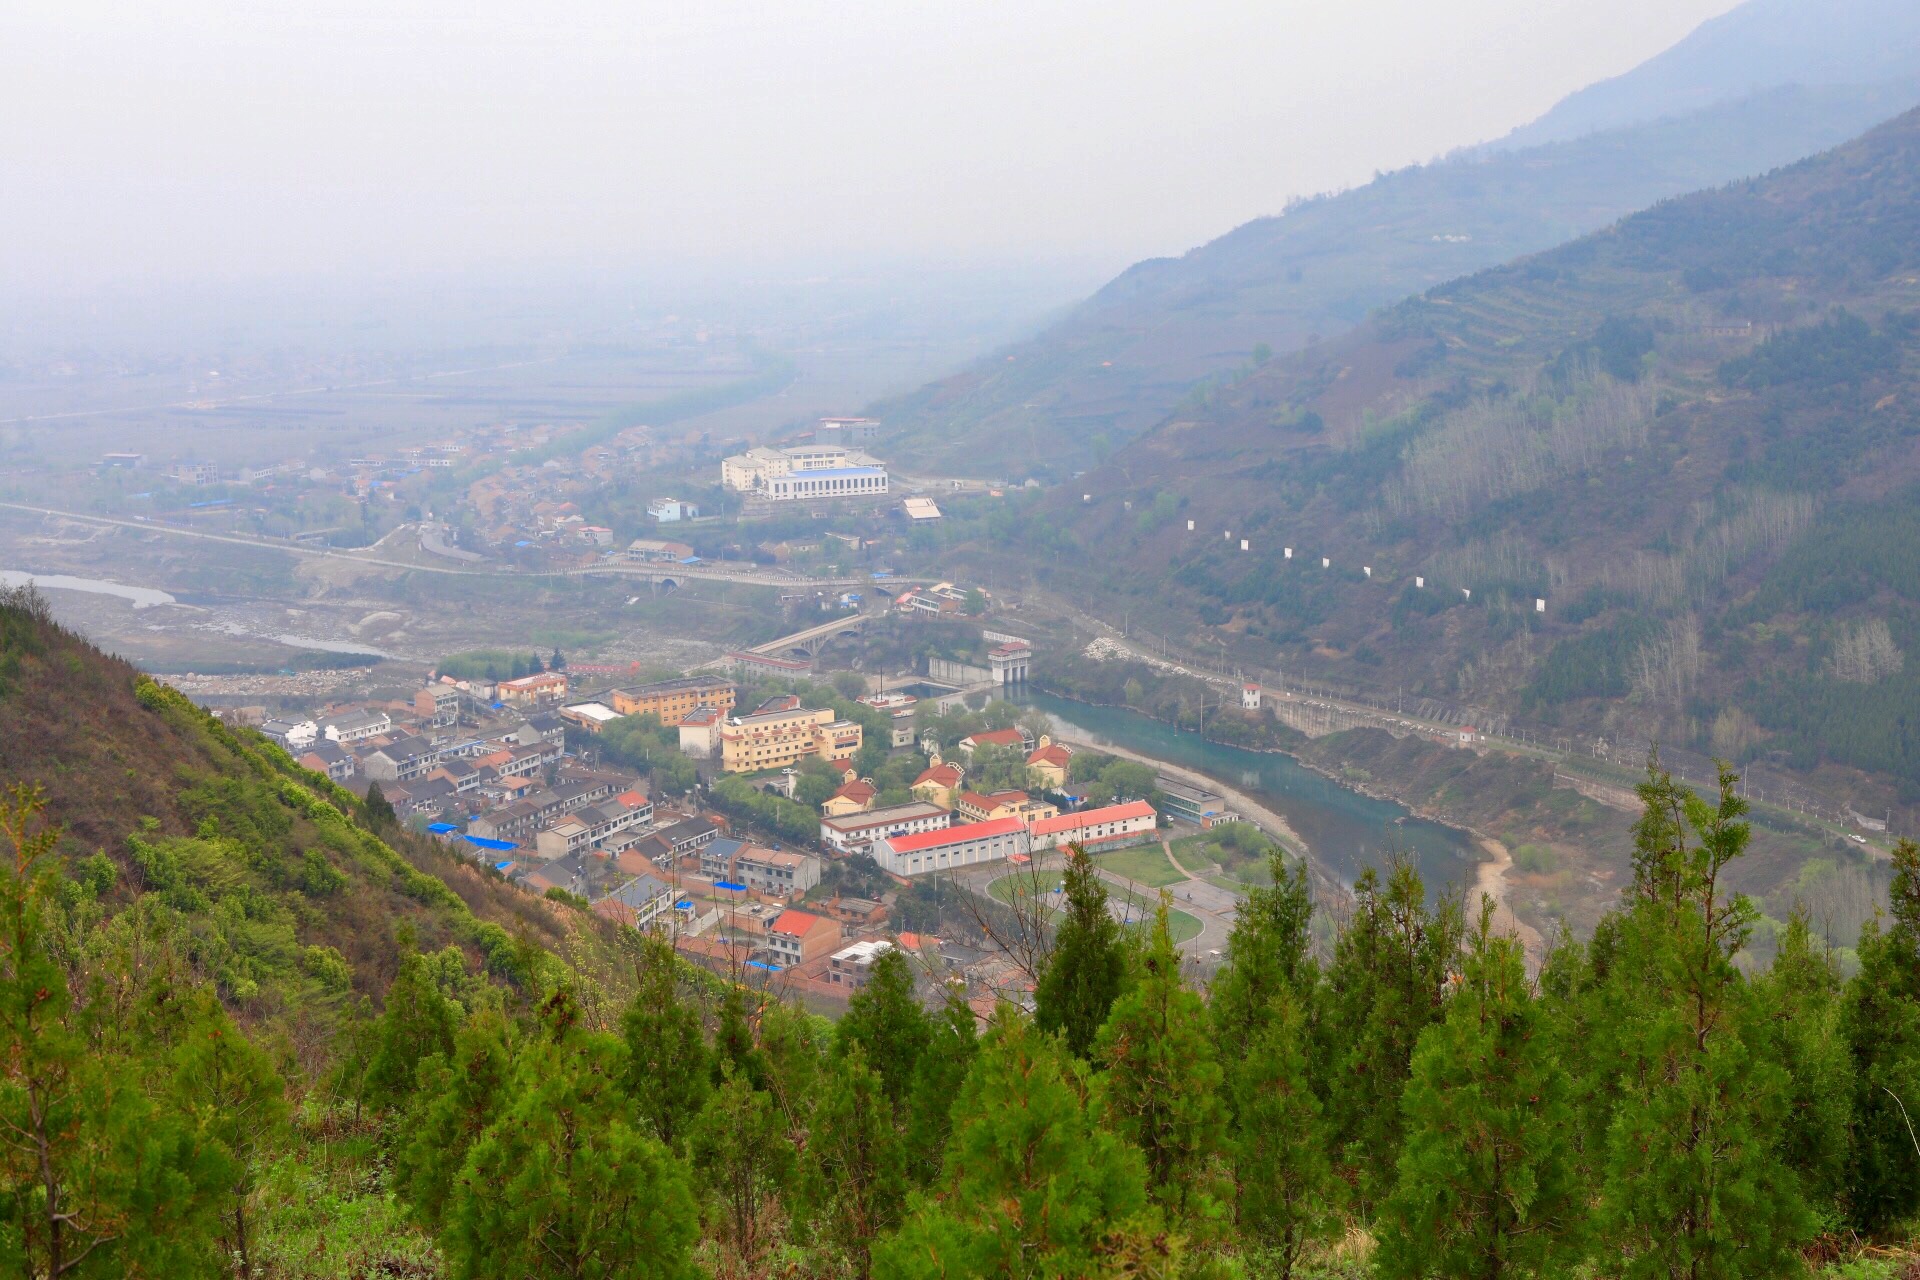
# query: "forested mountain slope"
(1695, 436)
(1129, 355)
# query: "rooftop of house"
(1093, 817)
(797, 924)
(863, 953)
(999, 738)
(908, 812)
(773, 857)
(962, 834)
(683, 684)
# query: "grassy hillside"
(1709, 111)
(1696, 435)
(293, 906)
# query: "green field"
(1145, 864)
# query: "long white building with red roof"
(1096, 829)
(970, 844)
(951, 848)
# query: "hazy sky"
(189, 138)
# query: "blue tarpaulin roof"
(441, 828)
(498, 846)
(683, 905)
(689, 559)
(762, 964)
(728, 884)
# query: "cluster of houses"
(512, 795)
(948, 825)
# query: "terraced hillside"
(1660, 481)
(1770, 83)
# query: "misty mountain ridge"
(1761, 44)
(1694, 435)
(1125, 358)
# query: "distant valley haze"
(206, 142)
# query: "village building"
(955, 847)
(974, 807)
(1051, 763)
(939, 783)
(856, 796)
(855, 833)
(591, 716)
(674, 700)
(1112, 827)
(534, 690)
(775, 739)
(850, 966)
(700, 731)
(797, 937)
(671, 511)
(1016, 739)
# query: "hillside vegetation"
(1384, 1095)
(1770, 83)
(1695, 436)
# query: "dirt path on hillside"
(1490, 878)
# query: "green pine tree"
(1031, 1188)
(1487, 1187)
(1385, 986)
(1286, 1195)
(379, 810)
(459, 1098)
(96, 1179)
(231, 1089)
(856, 1161)
(1795, 1024)
(1268, 952)
(742, 1158)
(1160, 1088)
(1881, 1024)
(561, 1185)
(1694, 1185)
(885, 1020)
(952, 1046)
(1088, 967)
(734, 1050)
(793, 1045)
(416, 1024)
(666, 1071)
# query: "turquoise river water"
(1345, 830)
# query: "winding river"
(1345, 830)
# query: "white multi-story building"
(805, 471)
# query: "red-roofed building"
(1111, 827)
(1051, 762)
(940, 784)
(1016, 738)
(854, 797)
(974, 807)
(964, 846)
(796, 937)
